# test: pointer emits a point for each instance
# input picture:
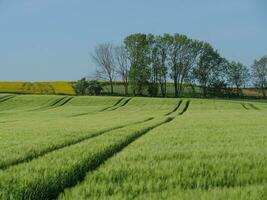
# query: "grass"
(64, 147)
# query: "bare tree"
(103, 57)
(123, 65)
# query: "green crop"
(131, 148)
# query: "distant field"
(67, 147)
(37, 87)
(187, 92)
(64, 87)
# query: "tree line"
(147, 62)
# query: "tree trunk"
(205, 91)
(111, 86)
(126, 88)
(162, 89)
(237, 90)
(165, 87)
(180, 88)
(264, 92)
(176, 87)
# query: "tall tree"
(207, 70)
(174, 49)
(237, 75)
(183, 53)
(259, 72)
(137, 47)
(123, 65)
(154, 65)
(103, 57)
(190, 55)
(162, 46)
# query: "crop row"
(26, 154)
(37, 142)
(33, 134)
(204, 155)
(47, 176)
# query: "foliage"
(147, 62)
(81, 86)
(92, 87)
(137, 46)
(259, 71)
(237, 75)
(208, 72)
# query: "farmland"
(67, 88)
(70, 147)
(57, 87)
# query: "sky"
(48, 40)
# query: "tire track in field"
(109, 154)
(244, 106)
(63, 102)
(253, 106)
(87, 113)
(45, 107)
(6, 98)
(67, 144)
(55, 104)
(77, 115)
(175, 109)
(185, 108)
(120, 100)
(117, 149)
(122, 105)
(3, 122)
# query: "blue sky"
(43, 40)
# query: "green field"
(67, 147)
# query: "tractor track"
(124, 104)
(67, 144)
(175, 109)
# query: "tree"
(208, 69)
(84, 87)
(237, 75)
(123, 65)
(94, 87)
(154, 65)
(190, 55)
(103, 57)
(183, 53)
(174, 48)
(137, 47)
(162, 45)
(218, 78)
(158, 50)
(259, 72)
(81, 86)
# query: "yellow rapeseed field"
(57, 87)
